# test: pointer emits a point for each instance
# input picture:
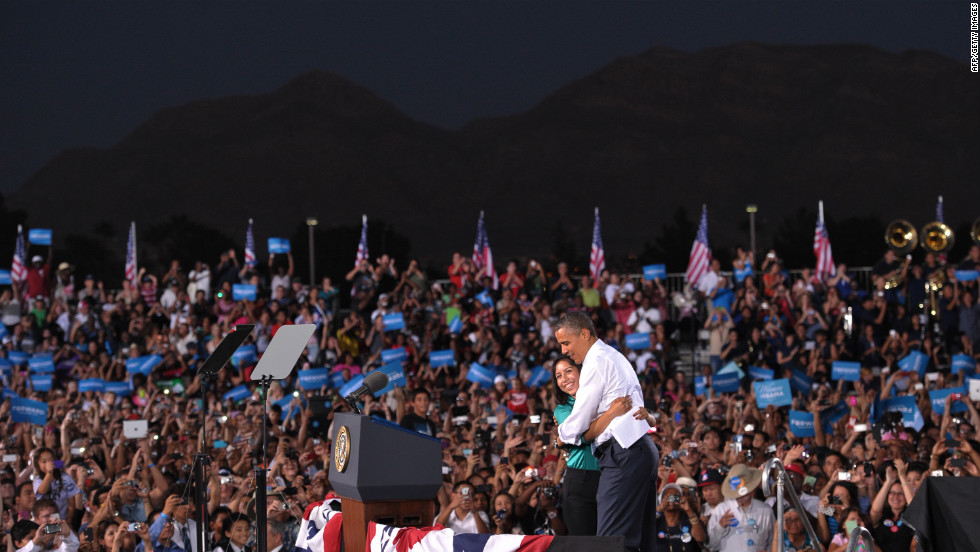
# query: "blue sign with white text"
(915, 361)
(42, 365)
(245, 354)
(775, 392)
(5, 279)
(638, 341)
(442, 358)
(938, 400)
(238, 393)
(967, 275)
(760, 373)
(802, 424)
(313, 378)
(91, 384)
(19, 358)
(725, 383)
(700, 384)
(539, 376)
(278, 245)
(800, 382)
(654, 271)
(39, 236)
(394, 355)
(961, 363)
(394, 321)
(351, 386)
(396, 377)
(120, 388)
(244, 292)
(42, 382)
(845, 370)
(143, 364)
(481, 374)
(26, 410)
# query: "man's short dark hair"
(575, 322)
(416, 392)
(43, 504)
(23, 528)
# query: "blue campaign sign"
(775, 392)
(539, 376)
(654, 271)
(19, 358)
(455, 325)
(314, 378)
(246, 354)
(39, 236)
(278, 245)
(120, 388)
(732, 367)
(350, 386)
(915, 361)
(742, 274)
(638, 341)
(41, 365)
(143, 364)
(725, 383)
(3, 331)
(961, 363)
(481, 374)
(91, 384)
(830, 415)
(396, 377)
(394, 321)
(42, 382)
(391, 355)
(967, 275)
(442, 358)
(238, 393)
(700, 384)
(938, 400)
(800, 382)
(337, 380)
(244, 292)
(6, 367)
(760, 373)
(906, 405)
(484, 298)
(26, 410)
(802, 424)
(5, 279)
(845, 370)
(284, 405)
(7, 393)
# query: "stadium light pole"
(310, 223)
(751, 210)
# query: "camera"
(52, 528)
(134, 527)
(667, 461)
(549, 492)
(673, 499)
(834, 499)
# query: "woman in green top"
(579, 510)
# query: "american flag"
(597, 257)
(821, 248)
(131, 254)
(362, 249)
(700, 260)
(249, 246)
(482, 255)
(386, 538)
(18, 270)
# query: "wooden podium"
(383, 473)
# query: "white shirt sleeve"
(715, 531)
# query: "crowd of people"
(78, 483)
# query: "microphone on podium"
(373, 382)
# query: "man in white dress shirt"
(627, 493)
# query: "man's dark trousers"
(627, 496)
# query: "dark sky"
(79, 74)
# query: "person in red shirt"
(39, 277)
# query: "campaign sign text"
(654, 271)
(760, 373)
(39, 236)
(442, 358)
(19, 358)
(638, 341)
(938, 400)
(725, 383)
(313, 378)
(396, 377)
(393, 355)
(480, 374)
(961, 363)
(244, 292)
(143, 364)
(539, 376)
(43, 365)
(244, 354)
(91, 384)
(830, 415)
(278, 245)
(394, 321)
(914, 362)
(905, 404)
(120, 388)
(5, 279)
(26, 410)
(967, 275)
(801, 424)
(42, 382)
(775, 392)
(351, 386)
(845, 370)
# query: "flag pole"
(820, 204)
(132, 228)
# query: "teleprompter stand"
(276, 364)
(206, 372)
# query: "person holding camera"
(740, 523)
(459, 514)
(678, 527)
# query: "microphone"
(374, 382)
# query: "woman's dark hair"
(851, 489)
(561, 397)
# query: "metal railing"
(782, 486)
(860, 541)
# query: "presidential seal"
(341, 451)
